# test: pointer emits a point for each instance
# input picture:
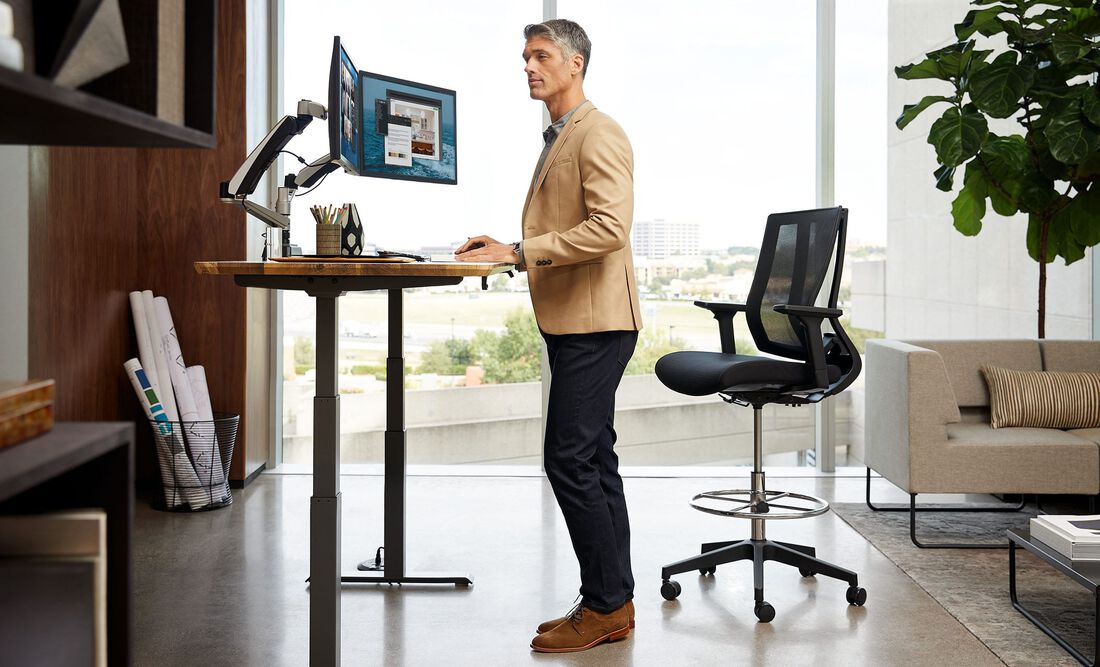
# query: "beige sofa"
(927, 421)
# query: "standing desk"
(326, 282)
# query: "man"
(576, 251)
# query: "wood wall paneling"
(108, 221)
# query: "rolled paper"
(171, 457)
(145, 345)
(167, 396)
(177, 369)
(204, 444)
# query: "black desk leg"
(395, 453)
(324, 511)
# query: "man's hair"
(566, 35)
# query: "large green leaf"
(955, 58)
(1090, 104)
(944, 177)
(968, 209)
(957, 136)
(911, 111)
(1071, 139)
(925, 69)
(1034, 227)
(997, 89)
(1084, 215)
(1069, 47)
(1010, 152)
(982, 21)
(1061, 236)
(1036, 193)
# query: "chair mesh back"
(793, 264)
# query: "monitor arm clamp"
(247, 178)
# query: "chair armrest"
(811, 317)
(807, 311)
(724, 311)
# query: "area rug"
(972, 584)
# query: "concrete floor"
(227, 587)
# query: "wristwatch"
(517, 247)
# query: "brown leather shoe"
(583, 629)
(550, 625)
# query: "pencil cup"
(351, 236)
(328, 239)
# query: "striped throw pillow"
(1042, 399)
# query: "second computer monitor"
(409, 130)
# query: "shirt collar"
(554, 129)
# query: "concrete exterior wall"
(501, 425)
(939, 283)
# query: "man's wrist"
(517, 247)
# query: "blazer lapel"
(535, 186)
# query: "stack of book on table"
(1075, 536)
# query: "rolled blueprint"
(204, 444)
(177, 370)
(171, 457)
(167, 396)
(145, 343)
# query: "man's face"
(548, 72)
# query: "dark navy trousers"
(580, 459)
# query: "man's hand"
(486, 249)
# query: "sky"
(720, 111)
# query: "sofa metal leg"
(913, 509)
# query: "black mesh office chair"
(793, 265)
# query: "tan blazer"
(576, 230)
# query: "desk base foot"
(411, 579)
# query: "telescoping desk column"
(326, 282)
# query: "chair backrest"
(792, 268)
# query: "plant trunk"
(1044, 230)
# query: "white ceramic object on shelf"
(11, 53)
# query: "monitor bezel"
(334, 111)
(423, 86)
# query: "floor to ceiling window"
(719, 104)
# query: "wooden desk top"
(366, 269)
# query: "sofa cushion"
(1071, 355)
(1043, 399)
(984, 434)
(1092, 434)
(962, 358)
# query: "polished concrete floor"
(227, 587)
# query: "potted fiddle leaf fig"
(1046, 80)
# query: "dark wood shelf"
(36, 112)
(75, 466)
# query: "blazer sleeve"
(606, 164)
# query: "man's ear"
(578, 63)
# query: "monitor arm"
(245, 181)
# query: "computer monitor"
(409, 130)
(344, 124)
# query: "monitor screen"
(343, 108)
(409, 130)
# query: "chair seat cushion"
(701, 373)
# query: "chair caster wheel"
(806, 572)
(764, 612)
(670, 590)
(856, 596)
(704, 571)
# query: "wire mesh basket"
(193, 457)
